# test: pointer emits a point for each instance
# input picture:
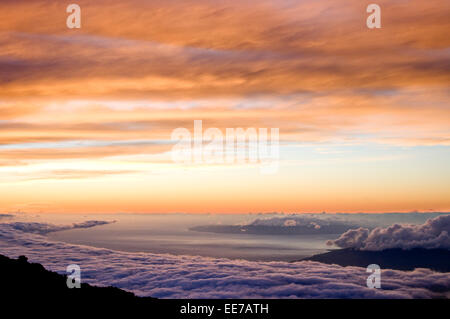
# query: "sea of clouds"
(434, 233)
(45, 228)
(169, 276)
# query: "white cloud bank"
(434, 233)
(168, 276)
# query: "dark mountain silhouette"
(22, 280)
(435, 259)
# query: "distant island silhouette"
(434, 259)
(273, 229)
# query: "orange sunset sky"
(86, 115)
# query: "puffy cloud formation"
(44, 228)
(168, 276)
(307, 220)
(434, 233)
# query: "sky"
(86, 115)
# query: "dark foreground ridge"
(22, 280)
(435, 259)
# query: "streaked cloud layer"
(101, 102)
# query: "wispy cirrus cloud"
(200, 51)
(328, 80)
